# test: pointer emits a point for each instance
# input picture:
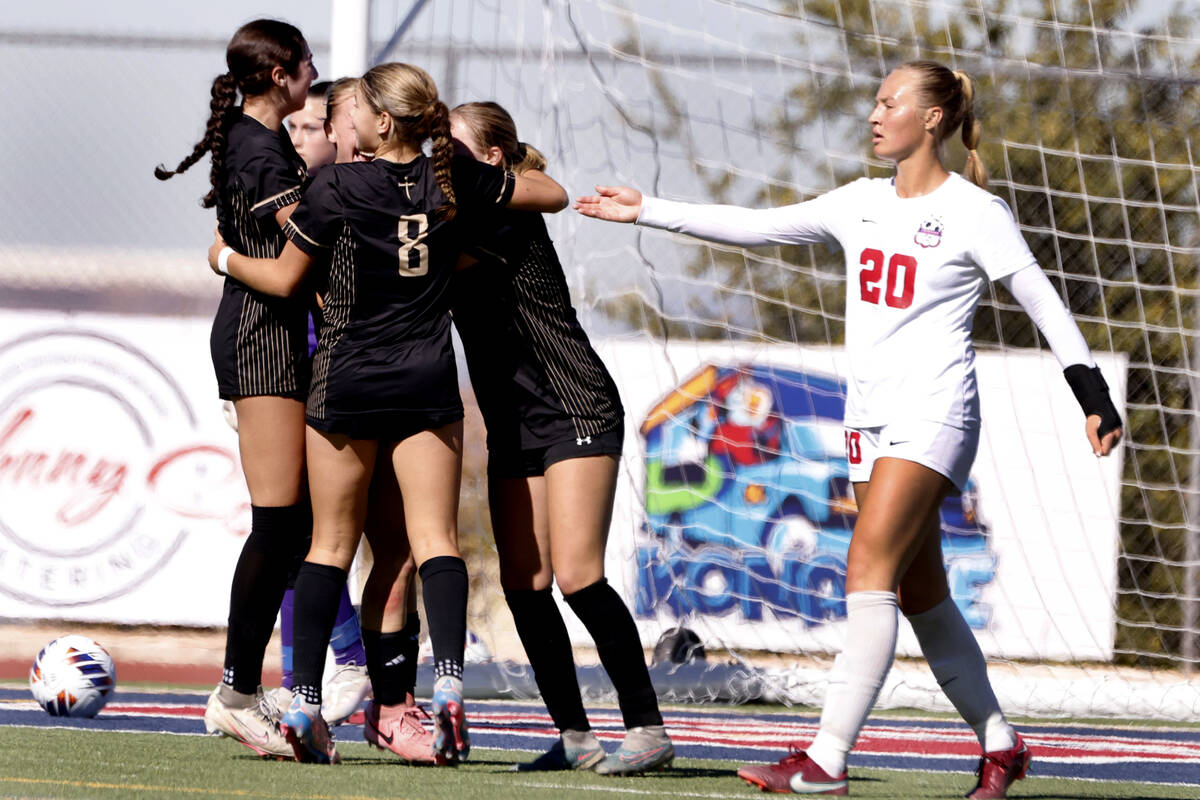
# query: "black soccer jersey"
(384, 365)
(258, 342)
(536, 377)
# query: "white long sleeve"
(1033, 290)
(801, 223)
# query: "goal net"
(733, 515)
(1077, 575)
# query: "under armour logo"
(583, 441)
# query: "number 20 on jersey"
(896, 290)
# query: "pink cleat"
(399, 728)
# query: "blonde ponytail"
(954, 93)
(975, 171)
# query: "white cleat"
(344, 692)
(250, 725)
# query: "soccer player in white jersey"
(920, 249)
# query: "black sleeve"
(314, 225)
(270, 177)
(479, 185)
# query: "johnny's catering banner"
(121, 494)
(735, 513)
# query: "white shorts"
(944, 449)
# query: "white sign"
(121, 492)
(734, 515)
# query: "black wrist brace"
(1092, 393)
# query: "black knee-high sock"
(444, 586)
(259, 581)
(392, 661)
(318, 593)
(544, 636)
(611, 626)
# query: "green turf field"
(59, 763)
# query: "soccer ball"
(72, 677)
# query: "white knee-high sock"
(958, 665)
(857, 676)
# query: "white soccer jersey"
(915, 269)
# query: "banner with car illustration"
(735, 513)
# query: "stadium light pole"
(349, 36)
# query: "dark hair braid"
(224, 95)
(254, 51)
(438, 116)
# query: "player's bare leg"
(271, 444)
(340, 471)
(579, 501)
(953, 653)
(894, 509)
(521, 524)
(391, 626)
(428, 468)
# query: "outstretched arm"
(1032, 289)
(802, 223)
(280, 276)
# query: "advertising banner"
(121, 494)
(122, 499)
(736, 498)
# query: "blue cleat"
(308, 734)
(451, 743)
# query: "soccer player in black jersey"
(555, 426)
(259, 350)
(387, 235)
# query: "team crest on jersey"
(929, 234)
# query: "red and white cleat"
(999, 770)
(795, 773)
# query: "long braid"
(252, 54)
(224, 95)
(443, 154)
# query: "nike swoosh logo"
(260, 739)
(379, 733)
(644, 755)
(864, 219)
(801, 786)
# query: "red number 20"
(901, 277)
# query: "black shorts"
(532, 462)
(259, 345)
(385, 426)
